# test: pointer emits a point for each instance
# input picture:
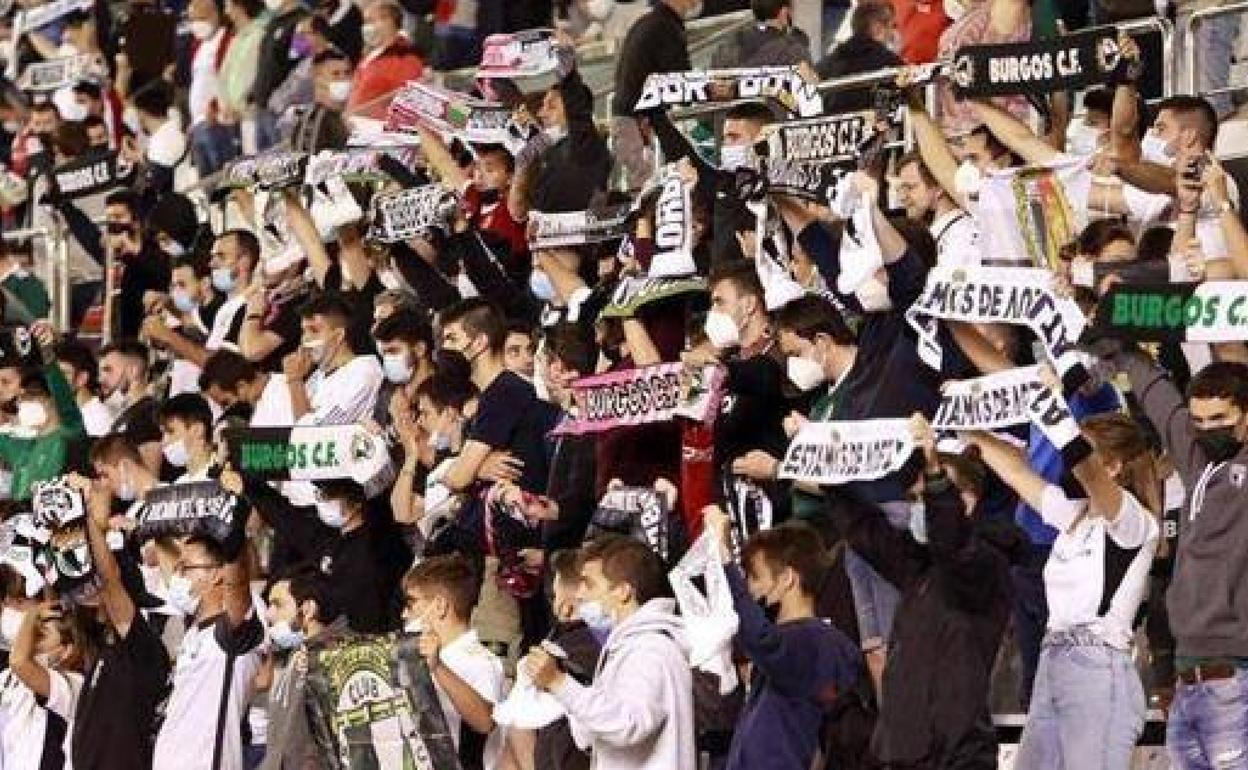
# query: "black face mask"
(770, 609)
(490, 197)
(1218, 444)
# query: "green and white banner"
(1213, 311)
(308, 453)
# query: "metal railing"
(1192, 53)
(1166, 30)
(53, 269)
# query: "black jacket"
(956, 598)
(655, 43)
(762, 45)
(275, 64)
(578, 166)
(857, 54)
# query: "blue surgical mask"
(397, 368)
(284, 637)
(541, 286)
(594, 615)
(223, 279)
(182, 300)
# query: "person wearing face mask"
(655, 43)
(556, 282)
(874, 44)
(1205, 440)
(146, 266)
(623, 591)
(186, 425)
(26, 294)
(577, 163)
(47, 426)
(39, 689)
(281, 51)
(510, 418)
(317, 123)
(301, 610)
(124, 385)
(439, 595)
(405, 342)
(800, 662)
(954, 607)
(213, 143)
(217, 661)
(389, 61)
(362, 557)
(330, 384)
(125, 676)
(167, 156)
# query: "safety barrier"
(1192, 53)
(53, 268)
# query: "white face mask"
(594, 615)
(339, 90)
(73, 110)
(284, 637)
(369, 34)
(330, 513)
(415, 626)
(1154, 149)
(397, 368)
(967, 179)
(316, 349)
(10, 624)
(599, 10)
(176, 453)
(1082, 139)
(181, 597)
(735, 156)
(695, 11)
(125, 487)
(872, 294)
(554, 134)
(202, 30)
(722, 331)
(31, 414)
(805, 373)
(541, 285)
(954, 9)
(274, 5)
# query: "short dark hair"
(1195, 112)
(1098, 100)
(329, 54)
(867, 13)
(309, 584)
(766, 10)
(573, 346)
(155, 98)
(71, 138)
(190, 409)
(196, 263)
(793, 546)
(88, 89)
(758, 112)
(406, 325)
(450, 575)
(447, 390)
(811, 314)
(742, 275)
(625, 560)
(331, 307)
(247, 242)
(214, 549)
(345, 490)
(478, 317)
(132, 349)
(498, 151)
(1099, 233)
(565, 565)
(917, 159)
(113, 448)
(1221, 379)
(80, 359)
(252, 8)
(124, 197)
(227, 370)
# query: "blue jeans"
(1215, 40)
(212, 146)
(1208, 726)
(875, 599)
(1087, 708)
(1031, 616)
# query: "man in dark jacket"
(772, 41)
(275, 65)
(577, 165)
(955, 602)
(655, 43)
(872, 46)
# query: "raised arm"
(303, 228)
(934, 148)
(1015, 134)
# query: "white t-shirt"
(957, 239)
(1098, 571)
(97, 418)
(226, 315)
(345, 396)
(188, 735)
(23, 722)
(273, 409)
(204, 77)
(481, 670)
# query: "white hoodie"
(638, 713)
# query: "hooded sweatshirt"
(638, 713)
(1208, 595)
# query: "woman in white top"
(39, 691)
(1087, 706)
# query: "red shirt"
(920, 23)
(495, 218)
(380, 74)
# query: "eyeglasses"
(182, 569)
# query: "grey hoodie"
(1208, 595)
(638, 713)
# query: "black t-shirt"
(511, 417)
(139, 422)
(753, 409)
(114, 725)
(146, 271)
(285, 322)
(360, 333)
